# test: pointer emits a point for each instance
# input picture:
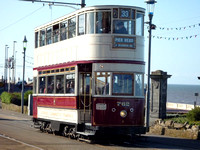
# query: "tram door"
(85, 95)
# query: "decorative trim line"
(68, 64)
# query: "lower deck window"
(41, 85)
(60, 84)
(56, 84)
(107, 83)
(122, 84)
(70, 82)
(34, 85)
(102, 82)
(50, 84)
(84, 83)
(139, 85)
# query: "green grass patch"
(15, 98)
(192, 117)
(6, 97)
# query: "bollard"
(195, 103)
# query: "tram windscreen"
(122, 84)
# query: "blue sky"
(175, 42)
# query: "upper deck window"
(124, 21)
(115, 12)
(81, 24)
(72, 27)
(55, 33)
(49, 32)
(103, 22)
(133, 14)
(42, 37)
(140, 24)
(124, 27)
(36, 39)
(90, 23)
(124, 13)
(63, 30)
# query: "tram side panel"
(34, 107)
(118, 112)
(63, 109)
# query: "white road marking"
(12, 139)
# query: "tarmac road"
(16, 133)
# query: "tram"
(89, 72)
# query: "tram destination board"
(124, 42)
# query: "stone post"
(158, 96)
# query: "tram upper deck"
(92, 33)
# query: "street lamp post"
(13, 64)
(24, 52)
(150, 9)
(5, 67)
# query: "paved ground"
(11, 144)
(16, 133)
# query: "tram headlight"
(123, 113)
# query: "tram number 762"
(124, 104)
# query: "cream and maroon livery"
(88, 74)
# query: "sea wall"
(173, 129)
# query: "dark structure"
(158, 97)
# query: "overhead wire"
(29, 57)
(21, 19)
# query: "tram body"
(89, 75)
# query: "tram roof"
(89, 8)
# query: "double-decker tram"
(89, 72)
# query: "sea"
(185, 94)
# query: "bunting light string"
(175, 38)
(178, 28)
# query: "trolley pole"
(150, 8)
(83, 3)
(24, 52)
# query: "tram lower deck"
(101, 101)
